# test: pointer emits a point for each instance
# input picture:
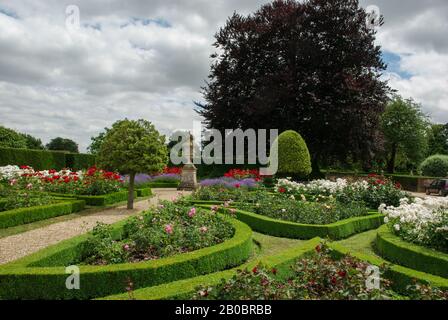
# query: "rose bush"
(172, 228)
(424, 222)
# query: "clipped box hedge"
(12, 218)
(162, 185)
(400, 276)
(38, 159)
(144, 192)
(42, 275)
(288, 229)
(99, 201)
(410, 255)
(184, 289)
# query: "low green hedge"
(12, 218)
(100, 201)
(400, 276)
(42, 275)
(287, 229)
(394, 249)
(184, 289)
(2, 205)
(144, 192)
(38, 159)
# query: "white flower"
(397, 227)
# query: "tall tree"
(438, 139)
(312, 67)
(405, 130)
(11, 139)
(33, 143)
(62, 144)
(133, 147)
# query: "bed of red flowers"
(240, 174)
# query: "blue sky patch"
(145, 22)
(9, 13)
(393, 62)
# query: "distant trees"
(405, 128)
(438, 139)
(11, 139)
(62, 144)
(33, 143)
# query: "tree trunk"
(391, 161)
(131, 191)
(316, 173)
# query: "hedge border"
(287, 229)
(401, 276)
(144, 192)
(16, 217)
(32, 277)
(99, 201)
(162, 185)
(411, 255)
(183, 289)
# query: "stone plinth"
(188, 180)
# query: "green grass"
(268, 245)
(43, 223)
(362, 242)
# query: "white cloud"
(57, 83)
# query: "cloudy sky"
(149, 58)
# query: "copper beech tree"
(309, 66)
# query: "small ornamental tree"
(133, 147)
(293, 156)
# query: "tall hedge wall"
(42, 159)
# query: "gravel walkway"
(20, 245)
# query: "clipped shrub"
(435, 166)
(38, 159)
(293, 156)
(78, 161)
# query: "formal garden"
(344, 217)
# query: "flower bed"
(424, 222)
(373, 192)
(42, 275)
(394, 249)
(171, 229)
(11, 218)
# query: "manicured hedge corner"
(144, 192)
(184, 289)
(12, 218)
(401, 277)
(42, 275)
(410, 255)
(99, 201)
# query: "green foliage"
(62, 144)
(78, 161)
(293, 155)
(405, 130)
(40, 276)
(11, 139)
(97, 141)
(39, 160)
(104, 200)
(317, 277)
(173, 228)
(435, 166)
(438, 139)
(133, 147)
(395, 249)
(33, 143)
(21, 216)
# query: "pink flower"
(169, 229)
(232, 211)
(161, 206)
(203, 229)
(192, 212)
(126, 247)
(29, 186)
(13, 182)
(214, 208)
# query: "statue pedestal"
(188, 180)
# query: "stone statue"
(188, 180)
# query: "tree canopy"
(11, 139)
(63, 144)
(438, 139)
(405, 131)
(133, 147)
(308, 66)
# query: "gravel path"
(20, 245)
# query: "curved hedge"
(400, 276)
(12, 218)
(287, 229)
(42, 275)
(184, 289)
(393, 248)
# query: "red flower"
(274, 271)
(334, 280)
(255, 270)
(318, 248)
(25, 167)
(282, 190)
(238, 186)
(342, 274)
